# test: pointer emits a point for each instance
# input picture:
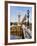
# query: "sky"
(16, 10)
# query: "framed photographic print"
(20, 22)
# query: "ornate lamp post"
(28, 17)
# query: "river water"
(15, 37)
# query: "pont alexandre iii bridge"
(16, 28)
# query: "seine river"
(15, 37)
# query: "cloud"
(12, 19)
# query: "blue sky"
(16, 10)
